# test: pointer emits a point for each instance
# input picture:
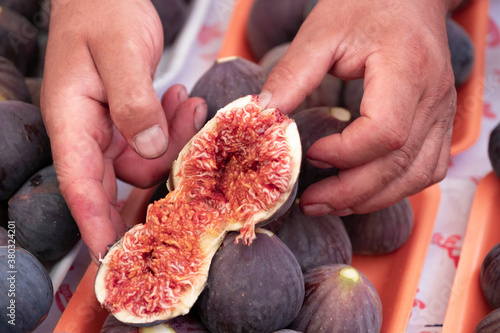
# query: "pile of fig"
(228, 246)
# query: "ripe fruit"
(339, 298)
(314, 124)
(257, 288)
(30, 288)
(490, 276)
(24, 145)
(239, 171)
(381, 231)
(44, 224)
(226, 80)
(315, 240)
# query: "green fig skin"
(315, 240)
(256, 288)
(490, 323)
(381, 231)
(227, 80)
(338, 302)
(44, 224)
(32, 287)
(24, 145)
(490, 276)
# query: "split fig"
(339, 299)
(257, 288)
(490, 276)
(238, 172)
(380, 231)
(315, 240)
(228, 79)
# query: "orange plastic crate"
(467, 305)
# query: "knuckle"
(392, 138)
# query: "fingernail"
(151, 143)
(264, 98)
(316, 209)
(182, 95)
(200, 115)
(319, 164)
(342, 212)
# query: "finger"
(387, 113)
(185, 122)
(126, 65)
(86, 182)
(300, 70)
(379, 183)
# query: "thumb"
(134, 105)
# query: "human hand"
(401, 143)
(103, 116)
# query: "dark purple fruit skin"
(4, 238)
(314, 124)
(490, 277)
(18, 40)
(333, 305)
(34, 85)
(24, 145)
(271, 23)
(256, 288)
(44, 224)
(173, 15)
(12, 84)
(494, 149)
(188, 323)
(226, 81)
(352, 93)
(315, 240)
(381, 231)
(461, 50)
(27, 8)
(490, 323)
(33, 291)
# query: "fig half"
(239, 171)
